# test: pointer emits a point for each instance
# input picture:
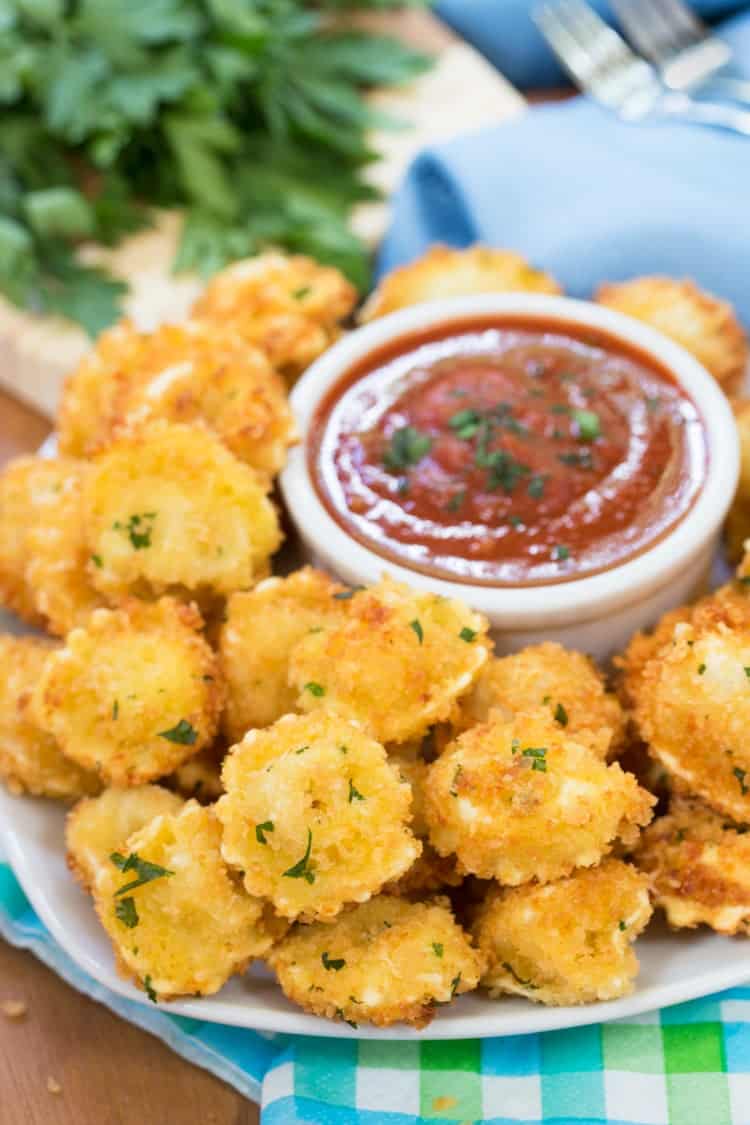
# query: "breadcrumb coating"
(314, 815)
(698, 863)
(737, 527)
(31, 760)
(700, 322)
(566, 683)
(397, 663)
(199, 777)
(692, 702)
(567, 942)
(171, 509)
(291, 308)
(97, 826)
(43, 553)
(134, 693)
(261, 629)
(184, 925)
(520, 799)
(430, 872)
(182, 374)
(446, 272)
(386, 961)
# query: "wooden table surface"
(108, 1072)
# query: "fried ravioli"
(262, 627)
(171, 509)
(314, 815)
(179, 922)
(520, 800)
(383, 962)
(134, 693)
(446, 272)
(31, 760)
(397, 663)
(700, 322)
(567, 942)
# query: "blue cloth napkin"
(504, 31)
(588, 197)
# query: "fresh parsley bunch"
(248, 114)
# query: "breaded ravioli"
(386, 961)
(97, 826)
(520, 799)
(31, 760)
(181, 373)
(43, 553)
(445, 272)
(567, 942)
(262, 627)
(179, 921)
(134, 693)
(314, 815)
(397, 663)
(172, 509)
(290, 307)
(698, 863)
(548, 676)
(701, 322)
(692, 703)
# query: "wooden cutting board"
(460, 94)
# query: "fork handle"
(718, 115)
(724, 85)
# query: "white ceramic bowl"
(598, 613)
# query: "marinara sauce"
(508, 452)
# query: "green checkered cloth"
(686, 1065)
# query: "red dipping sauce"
(508, 452)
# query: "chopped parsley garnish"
(183, 733)
(417, 627)
(315, 689)
(301, 749)
(622, 925)
(341, 1016)
(332, 963)
(560, 553)
(536, 487)
(301, 869)
(741, 775)
(437, 948)
(453, 791)
(138, 529)
(524, 983)
(261, 829)
(466, 424)
(515, 746)
(454, 984)
(515, 521)
(559, 408)
(150, 992)
(407, 447)
(345, 595)
(538, 755)
(747, 671)
(456, 500)
(126, 912)
(468, 634)
(701, 669)
(354, 794)
(582, 459)
(588, 425)
(115, 710)
(302, 292)
(97, 561)
(561, 715)
(146, 872)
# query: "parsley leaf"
(126, 912)
(146, 872)
(407, 447)
(261, 829)
(417, 627)
(315, 689)
(301, 869)
(183, 733)
(561, 715)
(354, 794)
(332, 963)
(468, 634)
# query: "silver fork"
(687, 54)
(601, 63)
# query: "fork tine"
(636, 20)
(600, 39)
(683, 19)
(565, 45)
